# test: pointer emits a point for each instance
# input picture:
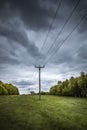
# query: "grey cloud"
(36, 17)
(82, 53)
(19, 17)
(13, 32)
(5, 54)
(83, 28)
(30, 12)
(22, 82)
(7, 60)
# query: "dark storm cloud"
(32, 15)
(81, 10)
(30, 12)
(19, 17)
(13, 32)
(13, 19)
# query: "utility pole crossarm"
(39, 67)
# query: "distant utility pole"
(39, 67)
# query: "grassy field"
(51, 113)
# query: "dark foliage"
(76, 87)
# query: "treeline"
(8, 89)
(76, 87)
(42, 93)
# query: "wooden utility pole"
(39, 67)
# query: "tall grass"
(26, 112)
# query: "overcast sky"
(50, 32)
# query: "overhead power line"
(53, 44)
(51, 25)
(61, 43)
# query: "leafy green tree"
(65, 91)
(59, 89)
(73, 87)
(8, 89)
(53, 90)
(82, 83)
(3, 91)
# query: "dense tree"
(8, 89)
(53, 90)
(82, 83)
(59, 89)
(73, 87)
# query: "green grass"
(51, 113)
